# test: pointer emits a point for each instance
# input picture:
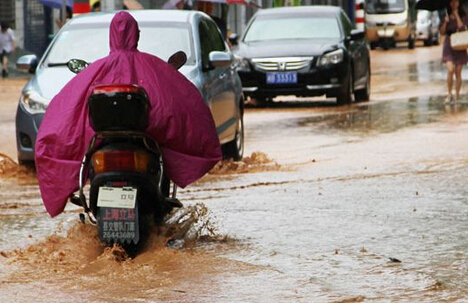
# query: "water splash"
(81, 245)
(10, 169)
(256, 162)
(75, 264)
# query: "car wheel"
(386, 43)
(436, 39)
(364, 94)
(347, 92)
(235, 148)
(373, 45)
(410, 43)
(30, 164)
(428, 41)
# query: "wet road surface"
(358, 203)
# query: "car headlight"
(333, 57)
(33, 102)
(243, 65)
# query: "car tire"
(363, 94)
(235, 148)
(386, 44)
(436, 39)
(27, 163)
(428, 41)
(410, 43)
(347, 92)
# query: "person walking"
(7, 45)
(455, 20)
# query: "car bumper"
(315, 82)
(395, 33)
(422, 34)
(27, 126)
(422, 37)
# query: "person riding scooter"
(179, 120)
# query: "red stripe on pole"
(244, 2)
(81, 8)
(359, 20)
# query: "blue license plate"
(281, 78)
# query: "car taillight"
(120, 160)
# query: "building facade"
(34, 24)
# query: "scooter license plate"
(118, 225)
(117, 197)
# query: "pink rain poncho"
(179, 119)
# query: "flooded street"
(359, 203)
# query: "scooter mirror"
(177, 60)
(76, 65)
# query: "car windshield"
(291, 27)
(90, 43)
(385, 6)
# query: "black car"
(303, 51)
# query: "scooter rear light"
(119, 88)
(120, 160)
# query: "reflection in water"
(382, 117)
(425, 72)
(429, 72)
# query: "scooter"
(128, 187)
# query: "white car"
(427, 27)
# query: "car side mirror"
(27, 63)
(233, 39)
(221, 59)
(177, 60)
(77, 65)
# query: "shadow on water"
(382, 117)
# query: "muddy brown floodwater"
(358, 203)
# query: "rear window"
(90, 43)
(385, 6)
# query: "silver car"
(210, 67)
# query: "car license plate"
(281, 78)
(117, 197)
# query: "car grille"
(281, 64)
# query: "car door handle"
(222, 76)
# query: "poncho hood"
(123, 33)
(180, 122)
